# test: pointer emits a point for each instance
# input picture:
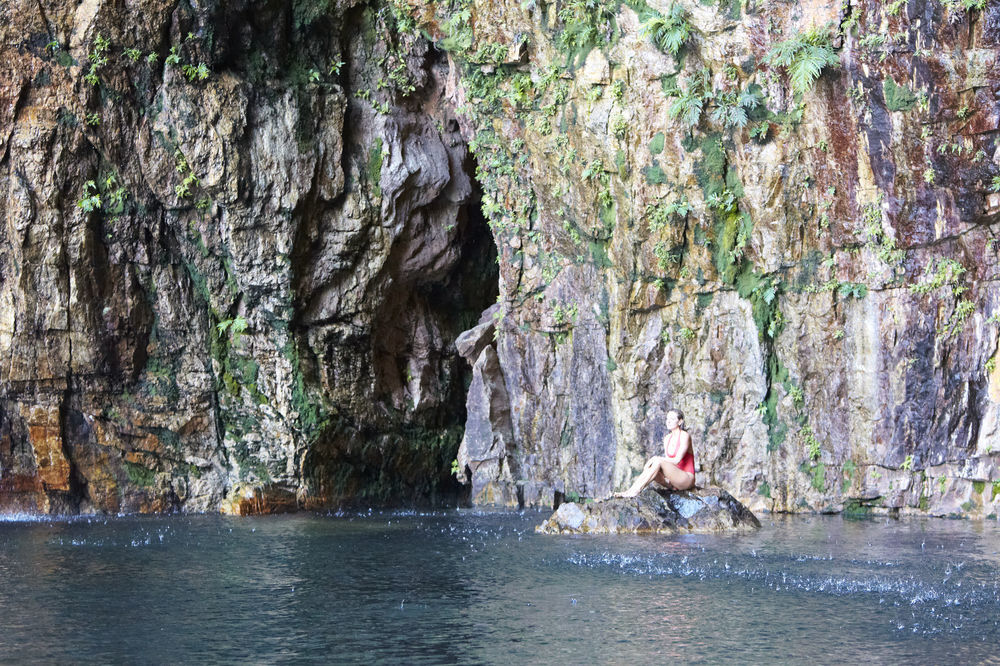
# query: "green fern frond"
(804, 56)
(668, 33)
(687, 107)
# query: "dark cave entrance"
(387, 362)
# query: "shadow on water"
(481, 587)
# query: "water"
(475, 587)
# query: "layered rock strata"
(239, 240)
(779, 217)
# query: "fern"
(688, 104)
(804, 57)
(733, 108)
(668, 33)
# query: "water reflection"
(480, 587)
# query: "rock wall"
(779, 217)
(242, 239)
(239, 240)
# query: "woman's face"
(672, 421)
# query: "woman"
(676, 468)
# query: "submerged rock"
(654, 511)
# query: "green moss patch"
(138, 475)
(857, 509)
(654, 174)
(375, 166)
(897, 98)
(656, 143)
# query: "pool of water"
(482, 587)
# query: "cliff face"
(241, 240)
(227, 279)
(778, 217)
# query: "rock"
(339, 215)
(470, 343)
(484, 448)
(654, 511)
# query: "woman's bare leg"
(649, 472)
(677, 477)
(661, 470)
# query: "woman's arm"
(680, 443)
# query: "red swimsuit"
(687, 462)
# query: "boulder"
(654, 511)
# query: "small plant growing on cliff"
(133, 54)
(958, 317)
(197, 72)
(619, 127)
(103, 195)
(883, 244)
(804, 57)
(235, 327)
(908, 463)
(594, 170)
(947, 271)
(659, 215)
(733, 108)
(760, 130)
(688, 104)
(190, 180)
(91, 200)
(669, 32)
(585, 24)
(893, 8)
(173, 58)
(798, 397)
(618, 90)
(98, 58)
(812, 444)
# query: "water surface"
(480, 587)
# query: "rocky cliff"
(242, 240)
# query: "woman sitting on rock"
(675, 469)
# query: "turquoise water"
(479, 587)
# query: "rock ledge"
(654, 511)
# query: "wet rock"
(654, 511)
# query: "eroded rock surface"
(654, 511)
(241, 240)
(238, 242)
(811, 277)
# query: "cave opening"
(397, 382)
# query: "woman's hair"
(680, 416)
